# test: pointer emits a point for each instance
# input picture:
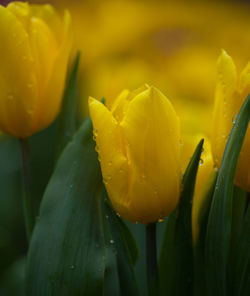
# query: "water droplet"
(30, 85)
(201, 161)
(160, 220)
(105, 181)
(109, 177)
(97, 149)
(234, 119)
(120, 171)
(10, 97)
(112, 241)
(180, 143)
(72, 267)
(202, 150)
(106, 216)
(30, 112)
(118, 214)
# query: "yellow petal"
(44, 49)
(244, 83)
(18, 84)
(48, 14)
(224, 109)
(120, 105)
(113, 161)
(49, 105)
(205, 179)
(151, 128)
(22, 12)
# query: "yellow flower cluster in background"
(171, 44)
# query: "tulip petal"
(225, 100)
(18, 85)
(44, 49)
(151, 128)
(21, 11)
(202, 186)
(56, 79)
(244, 83)
(120, 105)
(49, 15)
(112, 157)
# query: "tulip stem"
(151, 257)
(28, 205)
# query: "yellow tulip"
(34, 50)
(138, 142)
(231, 91)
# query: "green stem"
(151, 253)
(28, 205)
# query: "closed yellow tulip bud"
(231, 91)
(34, 50)
(138, 142)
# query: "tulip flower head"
(231, 91)
(34, 50)
(138, 143)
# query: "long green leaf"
(220, 217)
(67, 120)
(122, 243)
(176, 259)
(241, 263)
(199, 242)
(66, 255)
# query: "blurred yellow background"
(173, 45)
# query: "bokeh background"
(173, 45)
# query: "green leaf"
(220, 217)
(13, 243)
(239, 203)
(66, 255)
(13, 280)
(241, 260)
(200, 241)
(176, 259)
(238, 208)
(121, 241)
(67, 120)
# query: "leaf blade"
(66, 255)
(176, 260)
(219, 223)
